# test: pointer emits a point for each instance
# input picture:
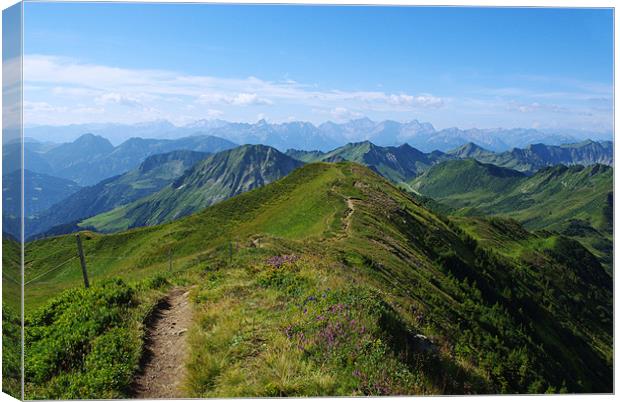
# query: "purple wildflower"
(279, 260)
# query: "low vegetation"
(87, 343)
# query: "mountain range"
(41, 191)
(398, 164)
(403, 163)
(92, 158)
(537, 156)
(326, 136)
(211, 180)
(153, 174)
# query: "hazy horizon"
(164, 129)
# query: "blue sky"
(466, 67)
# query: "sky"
(464, 67)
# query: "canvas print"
(233, 200)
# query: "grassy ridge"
(333, 281)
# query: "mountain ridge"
(153, 174)
(216, 178)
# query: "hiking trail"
(163, 365)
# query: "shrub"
(83, 344)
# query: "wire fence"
(62, 264)
(50, 270)
(10, 278)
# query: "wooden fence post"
(82, 259)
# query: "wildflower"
(278, 260)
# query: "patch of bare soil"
(163, 366)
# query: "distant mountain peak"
(362, 120)
(207, 124)
(468, 150)
(89, 137)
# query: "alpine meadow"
(207, 204)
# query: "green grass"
(552, 199)
(11, 351)
(517, 312)
(11, 317)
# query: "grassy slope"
(465, 183)
(572, 200)
(342, 316)
(305, 156)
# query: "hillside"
(305, 156)
(40, 192)
(537, 156)
(215, 179)
(471, 150)
(152, 175)
(465, 182)
(575, 200)
(330, 281)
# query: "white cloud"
(134, 94)
(343, 114)
(417, 101)
(539, 107)
(241, 99)
(117, 98)
(214, 113)
(249, 99)
(38, 107)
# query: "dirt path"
(347, 219)
(163, 366)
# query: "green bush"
(11, 352)
(83, 344)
